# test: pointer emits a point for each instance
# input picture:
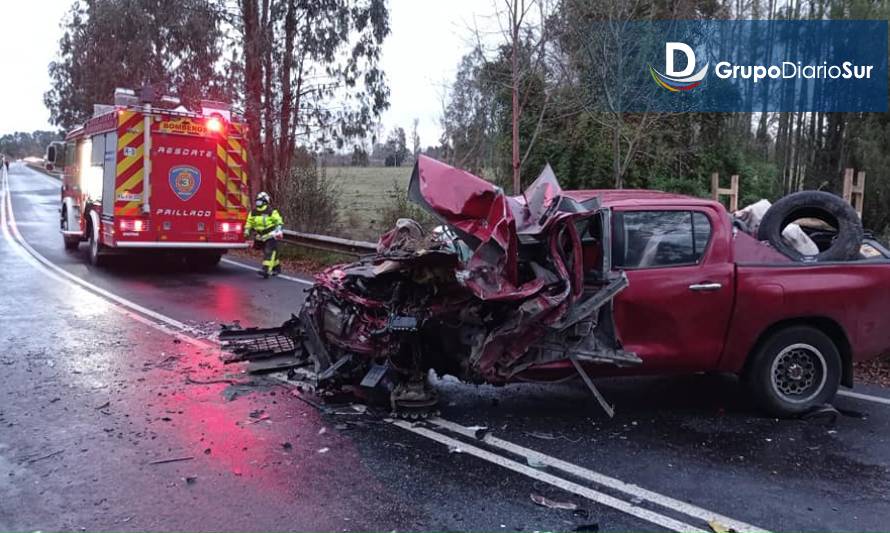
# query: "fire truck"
(141, 176)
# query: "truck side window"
(647, 239)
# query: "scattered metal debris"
(172, 460)
(543, 501)
(47, 456)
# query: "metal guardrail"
(329, 244)
(40, 168)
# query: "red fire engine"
(138, 176)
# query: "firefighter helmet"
(262, 200)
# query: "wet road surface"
(95, 394)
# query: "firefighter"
(267, 223)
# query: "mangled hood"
(488, 220)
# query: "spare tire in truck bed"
(820, 205)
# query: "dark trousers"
(270, 255)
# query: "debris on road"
(192, 381)
(825, 412)
(717, 527)
(172, 460)
(543, 501)
(47, 456)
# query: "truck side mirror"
(50, 155)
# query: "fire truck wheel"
(97, 258)
(71, 243)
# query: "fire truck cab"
(137, 176)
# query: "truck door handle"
(705, 287)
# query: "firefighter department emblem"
(185, 180)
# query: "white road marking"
(254, 269)
(630, 489)
(866, 397)
(129, 308)
(550, 479)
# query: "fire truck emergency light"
(214, 124)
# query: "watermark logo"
(678, 80)
(739, 66)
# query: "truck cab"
(705, 296)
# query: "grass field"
(364, 194)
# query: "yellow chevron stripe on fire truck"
(130, 135)
(235, 145)
(131, 183)
(231, 188)
(220, 194)
(131, 160)
(130, 209)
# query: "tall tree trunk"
(616, 153)
(269, 178)
(253, 90)
(290, 28)
(514, 90)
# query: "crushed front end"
(506, 289)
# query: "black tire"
(97, 258)
(794, 370)
(819, 205)
(71, 242)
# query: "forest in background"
(308, 79)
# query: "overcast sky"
(421, 54)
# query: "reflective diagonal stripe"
(132, 182)
(130, 209)
(128, 163)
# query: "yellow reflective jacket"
(264, 223)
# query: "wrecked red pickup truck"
(556, 284)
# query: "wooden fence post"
(854, 189)
(732, 191)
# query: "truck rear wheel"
(71, 242)
(97, 258)
(794, 370)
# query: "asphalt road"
(106, 371)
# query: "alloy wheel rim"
(798, 373)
